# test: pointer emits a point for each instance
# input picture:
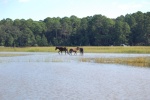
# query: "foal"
(74, 50)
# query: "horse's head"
(78, 48)
(56, 48)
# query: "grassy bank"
(87, 49)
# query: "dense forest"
(98, 30)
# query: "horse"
(74, 50)
(81, 51)
(61, 49)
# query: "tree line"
(98, 30)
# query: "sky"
(41, 9)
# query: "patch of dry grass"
(134, 61)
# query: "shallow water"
(49, 76)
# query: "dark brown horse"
(61, 49)
(81, 51)
(73, 50)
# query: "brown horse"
(61, 49)
(73, 50)
(81, 51)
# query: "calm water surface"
(49, 76)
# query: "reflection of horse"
(81, 51)
(61, 49)
(74, 50)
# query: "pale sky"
(41, 9)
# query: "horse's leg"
(70, 52)
(81, 53)
(59, 52)
(65, 52)
(75, 53)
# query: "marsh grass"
(12, 55)
(48, 60)
(87, 49)
(27, 49)
(117, 49)
(134, 61)
(45, 60)
(57, 60)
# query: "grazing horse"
(81, 51)
(61, 49)
(74, 50)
